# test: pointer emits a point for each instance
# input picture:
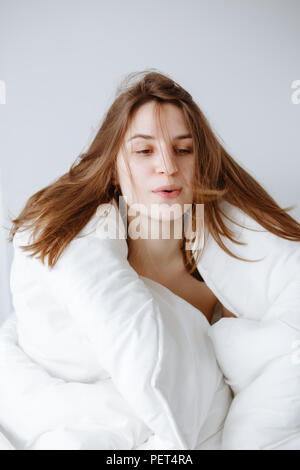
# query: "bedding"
(4, 443)
(259, 351)
(86, 365)
(261, 366)
(40, 411)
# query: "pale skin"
(153, 165)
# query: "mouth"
(168, 194)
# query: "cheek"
(140, 176)
(187, 168)
(140, 173)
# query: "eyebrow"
(150, 137)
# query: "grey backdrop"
(62, 60)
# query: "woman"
(202, 167)
(152, 166)
(132, 155)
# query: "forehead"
(144, 120)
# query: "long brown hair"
(59, 211)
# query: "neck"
(158, 247)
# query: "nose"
(166, 164)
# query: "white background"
(62, 60)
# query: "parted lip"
(171, 187)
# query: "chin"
(166, 212)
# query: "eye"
(180, 151)
(184, 151)
(143, 151)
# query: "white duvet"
(41, 411)
(258, 352)
(155, 363)
(261, 362)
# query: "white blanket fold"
(261, 363)
(39, 410)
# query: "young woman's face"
(153, 165)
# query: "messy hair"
(59, 211)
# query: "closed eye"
(182, 151)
